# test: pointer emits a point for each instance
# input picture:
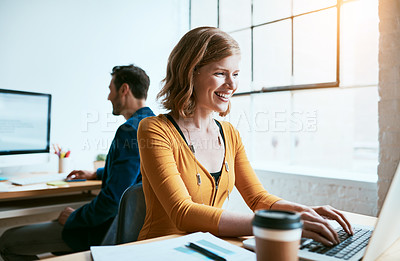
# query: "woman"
(191, 162)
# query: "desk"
(391, 254)
(23, 201)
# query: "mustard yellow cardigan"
(175, 203)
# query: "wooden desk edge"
(71, 187)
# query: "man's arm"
(99, 173)
(123, 169)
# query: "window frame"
(317, 85)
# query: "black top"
(216, 175)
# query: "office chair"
(130, 218)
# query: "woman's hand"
(315, 221)
(317, 227)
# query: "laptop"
(366, 244)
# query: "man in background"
(77, 230)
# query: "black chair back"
(130, 218)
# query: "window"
(290, 44)
(292, 50)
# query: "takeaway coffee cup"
(277, 235)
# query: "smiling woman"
(191, 162)
(215, 84)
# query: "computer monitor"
(24, 128)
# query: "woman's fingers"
(317, 237)
(342, 220)
(334, 214)
(316, 224)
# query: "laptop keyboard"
(348, 246)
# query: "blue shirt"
(88, 225)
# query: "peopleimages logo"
(102, 121)
(262, 121)
(96, 144)
(275, 121)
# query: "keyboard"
(35, 179)
(347, 248)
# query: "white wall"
(68, 48)
(341, 193)
(344, 194)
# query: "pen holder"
(64, 165)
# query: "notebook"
(366, 244)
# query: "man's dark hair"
(135, 77)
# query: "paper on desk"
(7, 187)
(4, 187)
(173, 249)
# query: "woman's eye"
(235, 75)
(219, 73)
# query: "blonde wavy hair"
(198, 47)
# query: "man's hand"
(64, 215)
(82, 174)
